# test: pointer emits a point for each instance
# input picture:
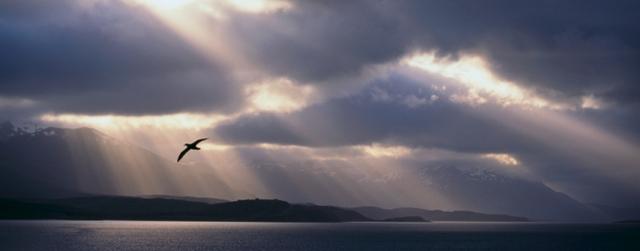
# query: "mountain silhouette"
(132, 208)
(59, 162)
(433, 215)
(186, 209)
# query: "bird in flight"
(192, 146)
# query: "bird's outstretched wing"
(198, 141)
(182, 154)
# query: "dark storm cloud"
(57, 50)
(321, 41)
(573, 47)
(564, 49)
(178, 92)
(104, 57)
(379, 113)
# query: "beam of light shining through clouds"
(454, 105)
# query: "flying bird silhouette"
(192, 146)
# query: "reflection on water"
(136, 235)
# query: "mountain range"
(132, 208)
(377, 213)
(52, 163)
(189, 209)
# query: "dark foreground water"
(137, 235)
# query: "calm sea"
(137, 235)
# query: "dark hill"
(433, 215)
(61, 163)
(132, 208)
(406, 219)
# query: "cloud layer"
(334, 75)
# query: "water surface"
(148, 235)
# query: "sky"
(546, 90)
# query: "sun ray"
(481, 83)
